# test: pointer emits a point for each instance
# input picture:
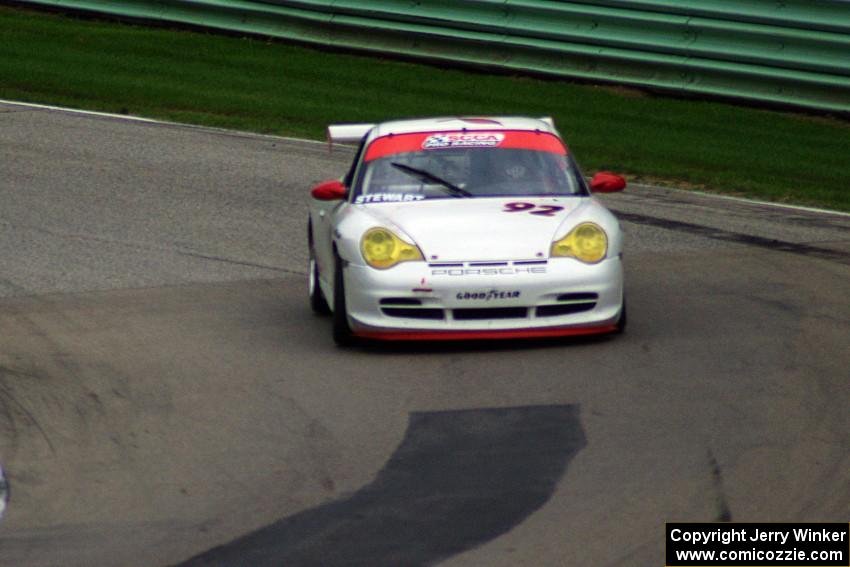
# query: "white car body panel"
(447, 230)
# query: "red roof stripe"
(515, 139)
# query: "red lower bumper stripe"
(479, 335)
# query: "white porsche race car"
(464, 228)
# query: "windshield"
(409, 167)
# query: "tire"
(621, 323)
(341, 331)
(318, 303)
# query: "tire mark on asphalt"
(242, 263)
(4, 492)
(147, 246)
(737, 237)
(7, 396)
(13, 287)
(457, 480)
(724, 514)
(8, 429)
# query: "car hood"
(482, 229)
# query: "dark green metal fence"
(793, 52)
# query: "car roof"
(455, 123)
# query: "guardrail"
(794, 52)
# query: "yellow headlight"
(382, 249)
(586, 242)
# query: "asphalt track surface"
(167, 397)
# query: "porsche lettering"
(488, 271)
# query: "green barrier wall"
(793, 52)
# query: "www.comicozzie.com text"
(743, 534)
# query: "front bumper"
(482, 300)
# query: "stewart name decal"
(387, 198)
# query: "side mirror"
(607, 182)
(332, 190)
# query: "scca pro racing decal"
(387, 198)
(487, 295)
(463, 140)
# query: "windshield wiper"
(423, 175)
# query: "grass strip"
(272, 87)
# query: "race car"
(464, 228)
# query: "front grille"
(569, 303)
(468, 314)
(565, 309)
(413, 313)
(410, 308)
(401, 301)
(578, 297)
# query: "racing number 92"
(531, 208)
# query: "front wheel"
(317, 298)
(341, 331)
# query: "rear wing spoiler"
(353, 133)
(347, 133)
